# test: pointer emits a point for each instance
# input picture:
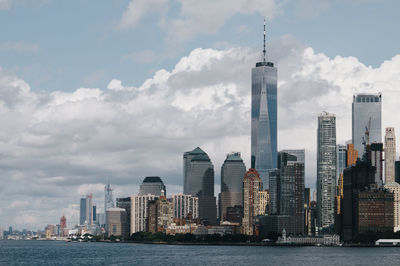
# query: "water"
(62, 253)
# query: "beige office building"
(390, 155)
(263, 204)
(252, 185)
(395, 188)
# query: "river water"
(63, 253)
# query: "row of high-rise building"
(356, 183)
(273, 186)
(356, 189)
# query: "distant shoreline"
(242, 244)
(256, 244)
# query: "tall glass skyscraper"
(187, 158)
(108, 197)
(232, 174)
(341, 160)
(82, 212)
(86, 210)
(367, 114)
(292, 191)
(326, 169)
(264, 118)
(199, 181)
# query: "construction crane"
(366, 139)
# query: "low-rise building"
(174, 228)
(375, 211)
(273, 224)
(324, 240)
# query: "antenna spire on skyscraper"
(264, 51)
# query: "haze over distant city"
(119, 90)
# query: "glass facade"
(300, 154)
(152, 185)
(86, 214)
(82, 213)
(292, 191)
(341, 160)
(264, 120)
(187, 158)
(108, 198)
(326, 169)
(232, 174)
(199, 181)
(366, 113)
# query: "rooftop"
(201, 157)
(259, 64)
(152, 179)
(196, 151)
(234, 156)
(115, 209)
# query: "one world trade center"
(264, 118)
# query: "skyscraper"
(89, 209)
(232, 173)
(199, 182)
(125, 203)
(300, 154)
(187, 158)
(341, 160)
(86, 210)
(274, 191)
(139, 212)
(375, 156)
(395, 188)
(263, 202)
(397, 172)
(252, 185)
(366, 117)
(264, 118)
(63, 222)
(352, 155)
(390, 155)
(108, 198)
(152, 185)
(292, 191)
(82, 211)
(116, 222)
(326, 169)
(63, 226)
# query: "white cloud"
(209, 15)
(137, 9)
(56, 146)
(196, 17)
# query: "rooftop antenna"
(264, 51)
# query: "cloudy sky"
(92, 91)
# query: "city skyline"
(69, 143)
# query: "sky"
(92, 91)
